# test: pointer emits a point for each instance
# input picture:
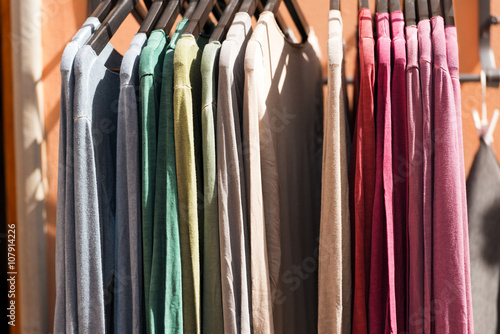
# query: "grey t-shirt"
(65, 314)
(233, 213)
(128, 298)
(483, 206)
(97, 89)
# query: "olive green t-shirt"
(189, 163)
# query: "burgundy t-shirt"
(382, 299)
(362, 178)
(399, 162)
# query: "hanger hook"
(484, 120)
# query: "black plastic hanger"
(111, 24)
(220, 31)
(248, 6)
(200, 17)
(334, 4)
(410, 13)
(423, 10)
(394, 6)
(363, 4)
(103, 9)
(295, 12)
(381, 6)
(299, 18)
(153, 16)
(436, 8)
(169, 15)
(449, 15)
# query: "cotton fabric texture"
(483, 200)
(189, 164)
(150, 67)
(399, 164)
(283, 125)
(66, 308)
(128, 301)
(233, 211)
(449, 244)
(335, 281)
(362, 167)
(211, 312)
(166, 200)
(427, 85)
(382, 295)
(95, 122)
(452, 58)
(415, 186)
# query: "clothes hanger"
(191, 8)
(436, 8)
(449, 15)
(394, 6)
(169, 15)
(410, 13)
(381, 6)
(111, 24)
(279, 19)
(363, 4)
(299, 18)
(423, 10)
(217, 10)
(200, 17)
(295, 12)
(153, 16)
(334, 4)
(223, 24)
(484, 129)
(103, 9)
(248, 6)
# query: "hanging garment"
(96, 94)
(283, 125)
(150, 68)
(166, 200)
(66, 308)
(449, 285)
(415, 248)
(233, 215)
(452, 59)
(189, 163)
(211, 300)
(399, 164)
(382, 316)
(335, 281)
(427, 86)
(483, 200)
(362, 167)
(129, 307)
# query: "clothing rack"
(486, 55)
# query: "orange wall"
(62, 18)
(8, 127)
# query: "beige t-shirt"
(335, 244)
(282, 146)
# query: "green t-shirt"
(150, 68)
(211, 307)
(166, 220)
(189, 163)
